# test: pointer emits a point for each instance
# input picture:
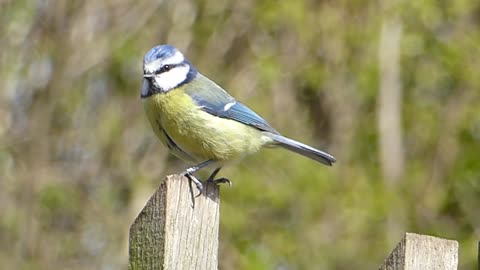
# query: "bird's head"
(165, 68)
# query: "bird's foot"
(196, 181)
(221, 181)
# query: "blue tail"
(303, 149)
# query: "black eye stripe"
(166, 68)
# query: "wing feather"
(216, 101)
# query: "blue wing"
(237, 112)
(214, 100)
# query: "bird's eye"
(166, 68)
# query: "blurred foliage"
(78, 159)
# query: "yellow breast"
(200, 135)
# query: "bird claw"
(221, 181)
(189, 174)
(195, 180)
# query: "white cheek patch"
(171, 79)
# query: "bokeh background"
(391, 88)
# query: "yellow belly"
(200, 135)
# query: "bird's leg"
(214, 173)
(197, 182)
(190, 171)
(220, 180)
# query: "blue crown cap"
(158, 52)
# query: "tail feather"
(303, 149)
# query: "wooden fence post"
(173, 233)
(423, 252)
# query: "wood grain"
(176, 230)
(423, 252)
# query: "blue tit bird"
(200, 122)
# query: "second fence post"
(423, 252)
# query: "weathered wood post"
(423, 252)
(173, 233)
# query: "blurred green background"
(391, 88)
